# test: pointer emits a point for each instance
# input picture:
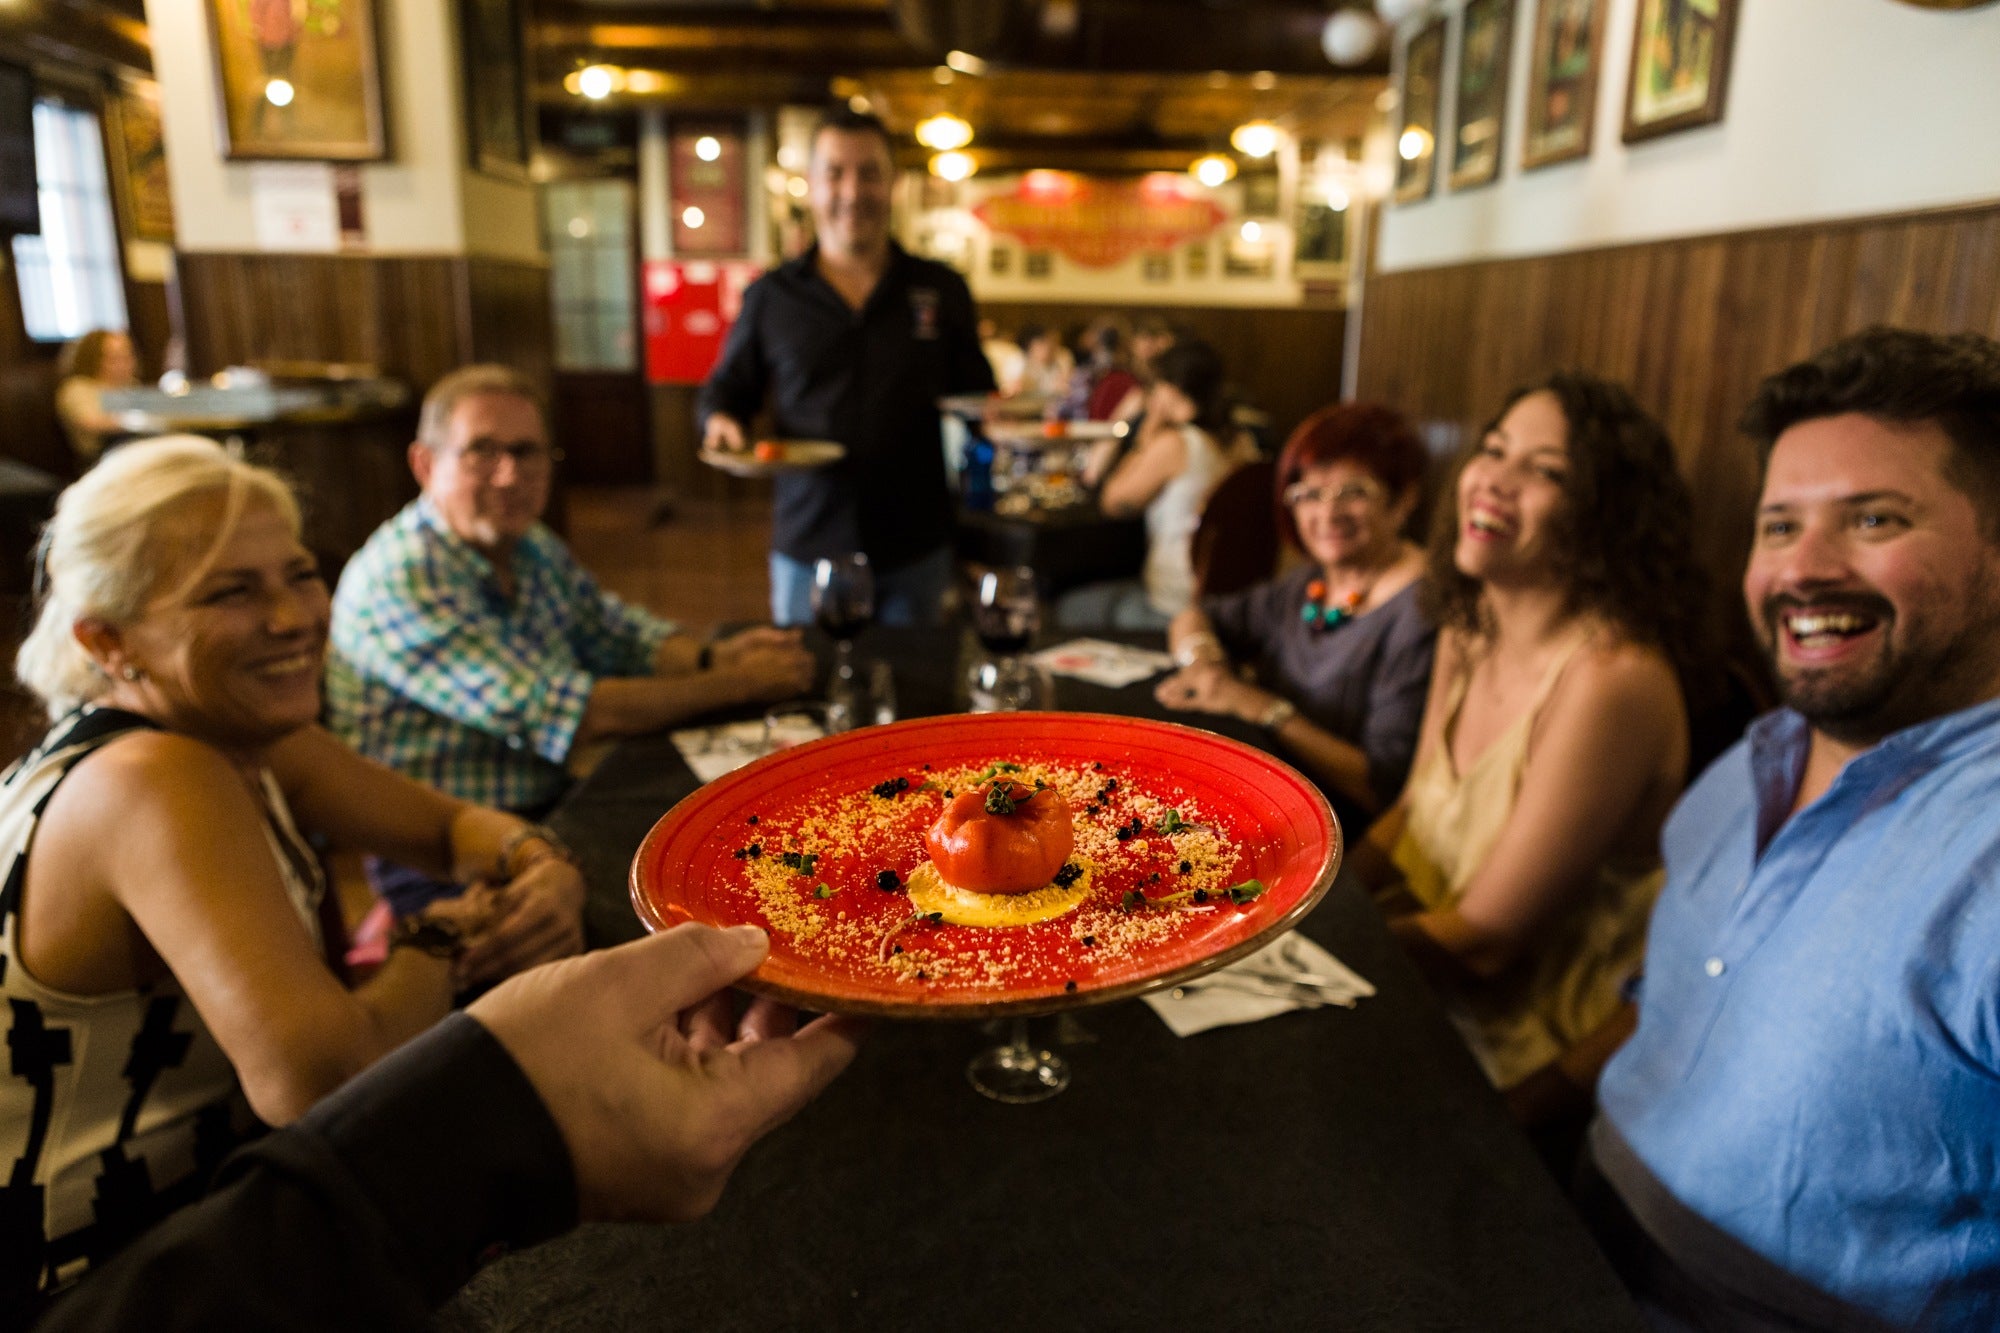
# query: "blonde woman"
(165, 934)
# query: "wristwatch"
(1278, 714)
(427, 934)
(527, 833)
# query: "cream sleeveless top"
(1519, 1022)
(1173, 516)
(114, 1108)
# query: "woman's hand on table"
(1211, 687)
(657, 1094)
(536, 917)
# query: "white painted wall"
(423, 200)
(1836, 108)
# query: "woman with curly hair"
(1521, 861)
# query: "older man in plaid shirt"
(471, 650)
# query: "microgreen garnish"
(1246, 891)
(822, 891)
(802, 862)
(1171, 822)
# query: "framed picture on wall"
(1000, 260)
(298, 79)
(1562, 80)
(498, 121)
(1194, 259)
(149, 206)
(1680, 66)
(1038, 264)
(1422, 101)
(1157, 266)
(1485, 46)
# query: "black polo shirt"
(869, 379)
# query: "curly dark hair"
(1376, 437)
(1907, 378)
(1623, 542)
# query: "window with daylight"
(71, 280)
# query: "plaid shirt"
(436, 673)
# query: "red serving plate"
(1281, 829)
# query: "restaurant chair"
(1236, 543)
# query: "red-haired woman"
(1340, 651)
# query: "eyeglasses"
(483, 459)
(1351, 496)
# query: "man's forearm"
(632, 706)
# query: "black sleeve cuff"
(450, 1140)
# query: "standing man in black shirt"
(855, 341)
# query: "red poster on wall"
(1099, 223)
(690, 304)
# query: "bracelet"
(527, 833)
(1189, 650)
(427, 935)
(1280, 712)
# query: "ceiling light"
(1213, 170)
(1336, 199)
(1254, 138)
(942, 76)
(708, 148)
(796, 187)
(1414, 143)
(579, 227)
(597, 82)
(1350, 37)
(944, 131)
(858, 104)
(953, 166)
(645, 81)
(1252, 232)
(692, 217)
(1263, 80)
(278, 92)
(965, 62)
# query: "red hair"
(1374, 436)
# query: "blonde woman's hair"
(104, 553)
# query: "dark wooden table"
(1325, 1169)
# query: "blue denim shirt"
(1817, 1066)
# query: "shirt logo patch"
(924, 314)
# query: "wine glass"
(1006, 612)
(843, 604)
(1018, 1071)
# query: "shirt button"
(1713, 967)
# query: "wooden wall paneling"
(511, 318)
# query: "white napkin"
(713, 751)
(1112, 665)
(1200, 1007)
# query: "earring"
(129, 672)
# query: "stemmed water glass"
(843, 604)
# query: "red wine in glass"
(1005, 610)
(843, 603)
